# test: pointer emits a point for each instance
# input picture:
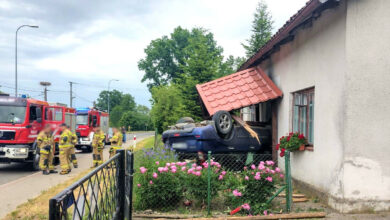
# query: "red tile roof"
(241, 89)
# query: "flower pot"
(301, 148)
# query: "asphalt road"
(18, 184)
(14, 171)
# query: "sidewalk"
(21, 190)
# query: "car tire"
(223, 122)
(35, 162)
(185, 120)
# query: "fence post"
(288, 181)
(130, 173)
(155, 138)
(208, 183)
(53, 211)
(121, 184)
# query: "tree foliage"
(261, 29)
(176, 64)
(168, 106)
(124, 111)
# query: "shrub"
(196, 181)
(251, 188)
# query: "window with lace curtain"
(303, 113)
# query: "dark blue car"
(219, 136)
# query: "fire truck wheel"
(35, 163)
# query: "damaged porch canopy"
(238, 90)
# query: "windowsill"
(309, 148)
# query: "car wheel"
(185, 120)
(35, 163)
(223, 122)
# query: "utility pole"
(71, 93)
(45, 85)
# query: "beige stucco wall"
(316, 57)
(345, 56)
(367, 119)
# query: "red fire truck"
(86, 120)
(21, 120)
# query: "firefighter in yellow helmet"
(73, 158)
(97, 147)
(116, 141)
(46, 150)
(65, 149)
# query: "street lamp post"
(108, 103)
(16, 55)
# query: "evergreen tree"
(261, 29)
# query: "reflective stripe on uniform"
(64, 146)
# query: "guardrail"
(103, 193)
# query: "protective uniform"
(97, 148)
(65, 150)
(116, 143)
(73, 158)
(46, 146)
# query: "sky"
(92, 41)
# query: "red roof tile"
(238, 90)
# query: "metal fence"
(104, 193)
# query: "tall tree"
(102, 100)
(261, 29)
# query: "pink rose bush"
(158, 180)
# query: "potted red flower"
(292, 142)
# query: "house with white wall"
(331, 61)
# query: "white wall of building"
(315, 58)
(345, 55)
(367, 118)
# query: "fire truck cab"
(21, 120)
(86, 120)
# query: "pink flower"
(236, 193)
(160, 169)
(173, 167)
(262, 162)
(165, 169)
(198, 168)
(150, 182)
(155, 175)
(194, 165)
(261, 167)
(143, 169)
(157, 163)
(246, 206)
(245, 168)
(138, 185)
(223, 173)
(277, 169)
(257, 173)
(189, 171)
(253, 167)
(267, 170)
(173, 164)
(281, 175)
(173, 171)
(168, 164)
(198, 173)
(273, 171)
(265, 212)
(269, 179)
(206, 165)
(269, 163)
(183, 168)
(257, 177)
(246, 177)
(218, 165)
(220, 177)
